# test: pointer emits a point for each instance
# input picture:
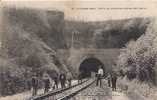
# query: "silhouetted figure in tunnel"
(99, 76)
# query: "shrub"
(138, 59)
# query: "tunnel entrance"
(90, 65)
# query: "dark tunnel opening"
(90, 65)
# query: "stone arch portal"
(90, 64)
(78, 57)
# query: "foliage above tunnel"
(105, 34)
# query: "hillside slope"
(29, 42)
(139, 57)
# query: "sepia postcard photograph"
(78, 50)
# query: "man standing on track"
(69, 78)
(99, 76)
(56, 82)
(114, 81)
(46, 80)
(62, 78)
(109, 80)
(34, 85)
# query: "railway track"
(66, 93)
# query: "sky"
(92, 10)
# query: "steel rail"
(52, 93)
(71, 95)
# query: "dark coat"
(34, 82)
(62, 77)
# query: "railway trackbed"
(66, 93)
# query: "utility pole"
(72, 38)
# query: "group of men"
(51, 82)
(111, 78)
(67, 78)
